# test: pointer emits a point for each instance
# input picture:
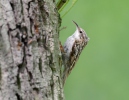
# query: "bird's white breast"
(70, 42)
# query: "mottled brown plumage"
(73, 48)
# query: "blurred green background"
(102, 71)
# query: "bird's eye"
(80, 31)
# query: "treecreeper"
(72, 49)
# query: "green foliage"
(102, 71)
(66, 7)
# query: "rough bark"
(29, 50)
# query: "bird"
(72, 50)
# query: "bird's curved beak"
(77, 26)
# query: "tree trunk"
(30, 56)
